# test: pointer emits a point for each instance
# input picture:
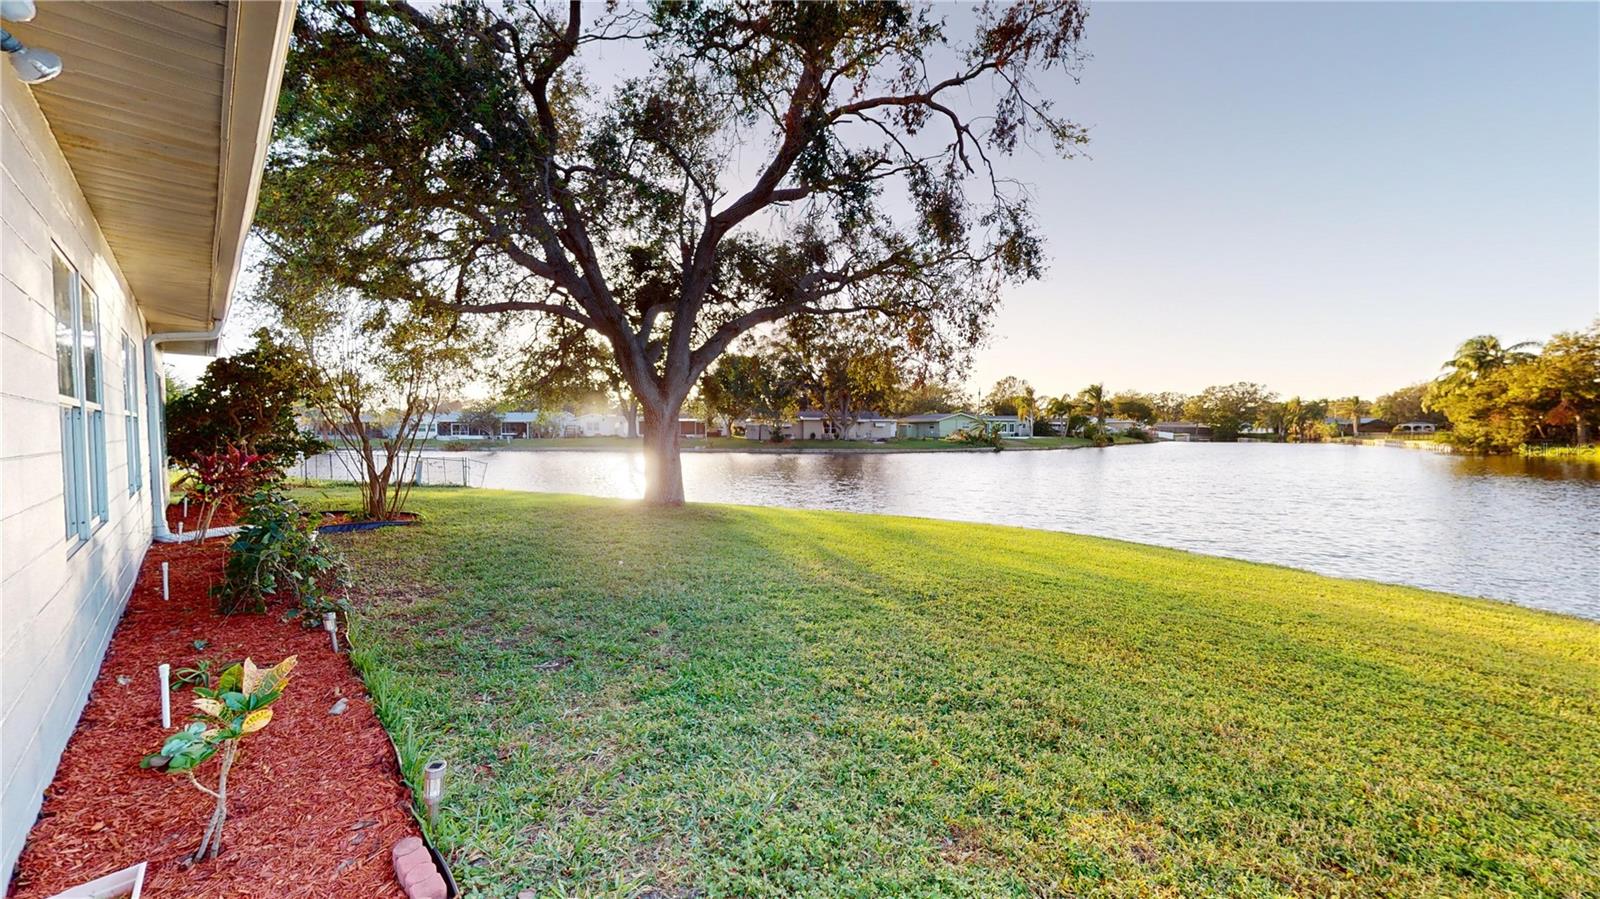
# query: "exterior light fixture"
(330, 623)
(33, 65)
(17, 10)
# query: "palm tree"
(1060, 408)
(1027, 403)
(1352, 406)
(1094, 398)
(1480, 355)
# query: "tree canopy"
(770, 160)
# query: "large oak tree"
(764, 161)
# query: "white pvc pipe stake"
(186, 507)
(165, 592)
(166, 695)
(180, 527)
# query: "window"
(79, 384)
(130, 416)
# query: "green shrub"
(275, 552)
(981, 434)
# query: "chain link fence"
(427, 471)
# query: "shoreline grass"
(747, 701)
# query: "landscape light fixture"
(433, 786)
(33, 65)
(330, 623)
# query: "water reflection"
(1525, 530)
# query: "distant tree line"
(1490, 397)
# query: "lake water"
(1523, 530)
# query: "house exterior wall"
(60, 598)
(865, 429)
(940, 429)
(1010, 426)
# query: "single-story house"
(1182, 431)
(1010, 426)
(759, 430)
(812, 424)
(531, 423)
(513, 425)
(1122, 425)
(128, 190)
(1370, 425)
(934, 425)
(1415, 427)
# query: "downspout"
(155, 414)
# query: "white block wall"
(59, 599)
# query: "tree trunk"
(211, 840)
(663, 468)
(633, 419)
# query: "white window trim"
(83, 448)
(130, 417)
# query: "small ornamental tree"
(376, 362)
(227, 713)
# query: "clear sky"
(1323, 197)
(1326, 198)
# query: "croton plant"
(239, 705)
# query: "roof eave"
(258, 44)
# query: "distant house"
(1011, 426)
(1121, 425)
(1182, 431)
(757, 430)
(449, 426)
(812, 424)
(691, 427)
(1369, 425)
(1415, 427)
(521, 425)
(934, 425)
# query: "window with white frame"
(79, 384)
(130, 416)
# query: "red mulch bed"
(227, 514)
(315, 801)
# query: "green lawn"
(745, 701)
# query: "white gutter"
(155, 409)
